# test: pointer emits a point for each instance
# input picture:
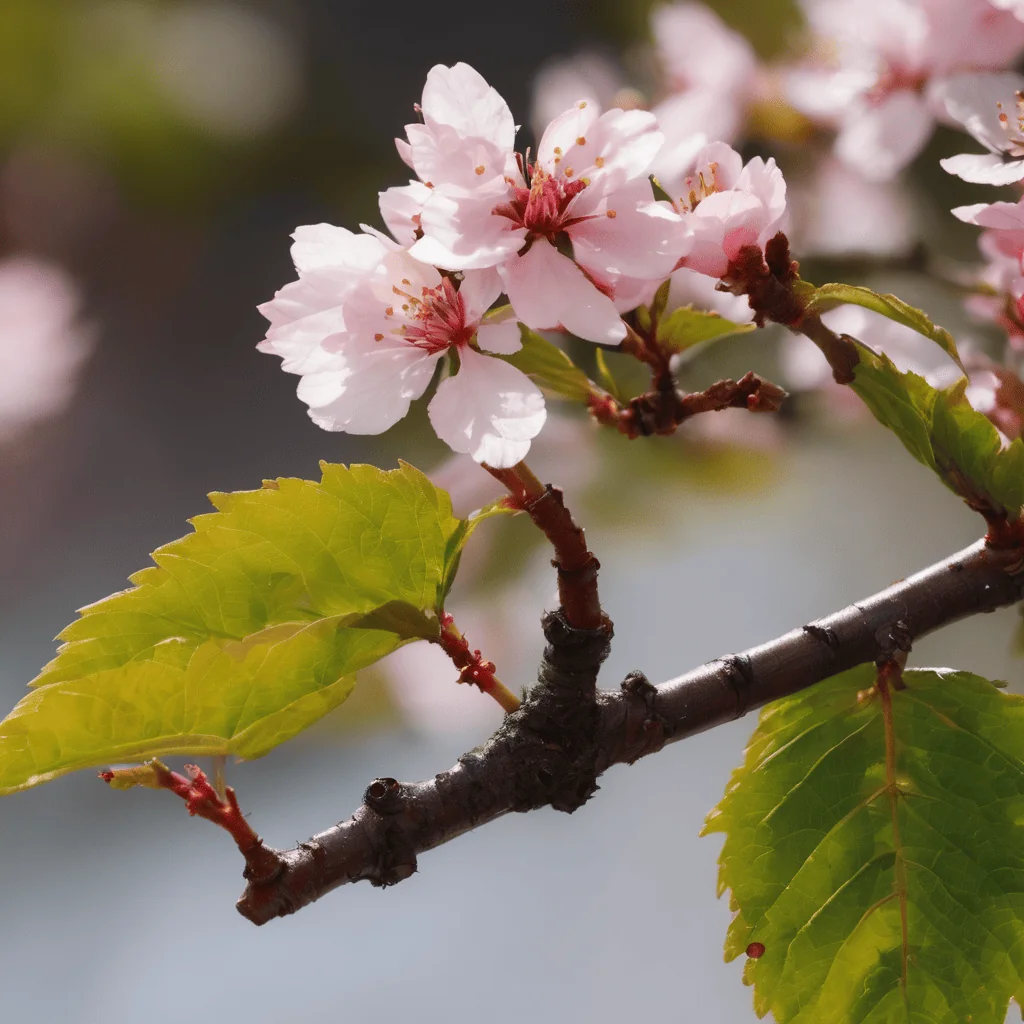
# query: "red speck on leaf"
(755, 950)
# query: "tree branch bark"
(551, 750)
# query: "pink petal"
(500, 335)
(479, 289)
(401, 207)
(489, 410)
(405, 152)
(461, 232)
(633, 236)
(547, 291)
(461, 98)
(442, 156)
(1004, 216)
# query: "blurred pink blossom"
(839, 212)
(591, 77)
(43, 341)
(876, 64)
(711, 79)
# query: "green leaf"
(604, 375)
(878, 854)
(941, 430)
(829, 296)
(903, 402)
(686, 327)
(550, 368)
(246, 631)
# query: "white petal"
(489, 410)
(369, 387)
(879, 141)
(984, 168)
(323, 245)
(500, 336)
(547, 290)
(401, 207)
(460, 97)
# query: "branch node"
(384, 796)
(741, 679)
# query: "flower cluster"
(573, 235)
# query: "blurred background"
(154, 158)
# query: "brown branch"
(663, 411)
(576, 564)
(552, 750)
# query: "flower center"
(543, 207)
(699, 186)
(433, 321)
(1013, 126)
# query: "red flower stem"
(577, 567)
(473, 667)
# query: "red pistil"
(435, 320)
(543, 208)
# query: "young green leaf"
(686, 327)
(246, 631)
(604, 375)
(550, 368)
(829, 296)
(875, 849)
(941, 430)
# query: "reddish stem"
(202, 800)
(577, 567)
(474, 668)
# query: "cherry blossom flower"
(42, 342)
(727, 205)
(991, 108)
(877, 63)
(365, 326)
(586, 188)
